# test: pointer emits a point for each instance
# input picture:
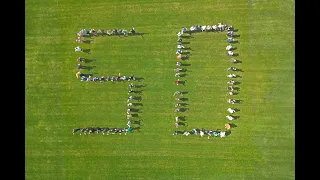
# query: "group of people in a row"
(103, 79)
(119, 31)
(177, 74)
(200, 28)
(130, 98)
(83, 77)
(230, 87)
(203, 132)
(107, 131)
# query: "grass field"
(260, 147)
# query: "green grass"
(260, 147)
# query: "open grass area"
(260, 147)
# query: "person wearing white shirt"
(230, 53)
(228, 47)
(77, 49)
(231, 75)
(229, 117)
(230, 110)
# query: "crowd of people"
(179, 120)
(92, 32)
(80, 39)
(231, 89)
(97, 130)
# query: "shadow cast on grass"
(232, 125)
(182, 99)
(88, 67)
(134, 110)
(89, 60)
(185, 53)
(139, 78)
(187, 37)
(140, 86)
(183, 123)
(228, 132)
(137, 104)
(87, 51)
(137, 122)
(135, 115)
(138, 92)
(87, 41)
(235, 42)
(183, 118)
(183, 109)
(136, 128)
(236, 88)
(138, 98)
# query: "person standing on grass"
(230, 53)
(129, 123)
(229, 47)
(186, 133)
(130, 98)
(176, 124)
(230, 117)
(231, 82)
(180, 46)
(177, 75)
(230, 110)
(177, 81)
(178, 69)
(133, 31)
(128, 130)
(194, 131)
(128, 111)
(78, 74)
(231, 101)
(129, 104)
(129, 116)
(176, 93)
(201, 133)
(75, 130)
(106, 130)
(80, 59)
(77, 49)
(79, 66)
(179, 34)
